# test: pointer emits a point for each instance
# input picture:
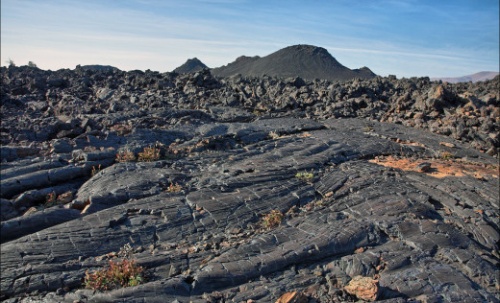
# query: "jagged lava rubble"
(232, 150)
(38, 105)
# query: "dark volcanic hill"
(481, 76)
(98, 67)
(305, 61)
(242, 65)
(191, 66)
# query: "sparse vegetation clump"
(174, 188)
(274, 135)
(121, 129)
(272, 219)
(125, 156)
(447, 156)
(368, 129)
(95, 170)
(149, 154)
(52, 199)
(123, 273)
(305, 176)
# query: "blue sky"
(401, 37)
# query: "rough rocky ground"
(232, 151)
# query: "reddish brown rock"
(292, 297)
(364, 288)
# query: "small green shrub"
(272, 219)
(119, 274)
(95, 170)
(304, 176)
(121, 129)
(447, 156)
(125, 156)
(149, 154)
(174, 188)
(273, 135)
(50, 200)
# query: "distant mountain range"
(481, 76)
(305, 61)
